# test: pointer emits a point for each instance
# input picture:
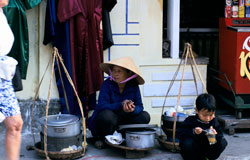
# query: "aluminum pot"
(168, 123)
(140, 139)
(61, 125)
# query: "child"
(192, 133)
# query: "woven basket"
(168, 145)
(58, 155)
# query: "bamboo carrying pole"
(59, 60)
(188, 54)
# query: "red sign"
(234, 55)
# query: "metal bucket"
(140, 139)
(61, 125)
(168, 123)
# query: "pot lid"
(178, 118)
(147, 131)
(134, 126)
(59, 119)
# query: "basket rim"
(59, 155)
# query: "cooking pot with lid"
(168, 122)
(61, 125)
(140, 139)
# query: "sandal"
(99, 144)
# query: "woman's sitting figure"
(119, 101)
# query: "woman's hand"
(128, 106)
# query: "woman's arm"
(137, 101)
(104, 100)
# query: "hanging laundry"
(107, 31)
(86, 42)
(16, 16)
(58, 33)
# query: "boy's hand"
(197, 130)
(212, 129)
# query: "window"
(198, 26)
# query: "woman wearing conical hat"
(119, 101)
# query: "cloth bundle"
(116, 138)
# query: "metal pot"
(61, 125)
(168, 122)
(140, 139)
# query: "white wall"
(137, 32)
(143, 42)
(38, 57)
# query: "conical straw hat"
(125, 62)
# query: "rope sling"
(188, 54)
(56, 57)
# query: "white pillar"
(173, 30)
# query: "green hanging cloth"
(17, 19)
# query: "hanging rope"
(47, 108)
(59, 59)
(179, 95)
(188, 54)
(203, 84)
(64, 91)
(34, 100)
(170, 86)
(78, 99)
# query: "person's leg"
(13, 136)
(10, 109)
(190, 150)
(106, 122)
(186, 146)
(141, 118)
(215, 150)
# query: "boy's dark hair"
(206, 101)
